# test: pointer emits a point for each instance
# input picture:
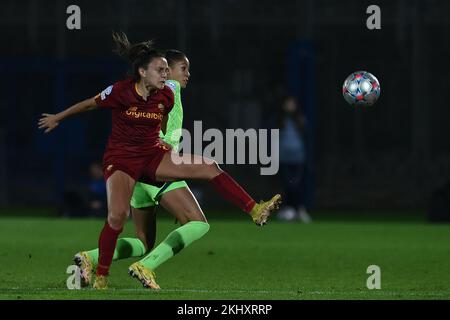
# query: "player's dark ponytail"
(139, 55)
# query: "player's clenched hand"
(48, 122)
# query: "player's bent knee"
(213, 169)
(215, 166)
(117, 219)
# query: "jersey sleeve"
(175, 117)
(110, 97)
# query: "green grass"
(237, 260)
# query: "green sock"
(176, 240)
(125, 248)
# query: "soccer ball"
(361, 88)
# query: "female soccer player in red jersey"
(134, 152)
(175, 197)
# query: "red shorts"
(140, 168)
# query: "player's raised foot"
(100, 283)
(145, 275)
(261, 211)
(86, 265)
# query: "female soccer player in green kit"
(175, 197)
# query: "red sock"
(233, 192)
(106, 246)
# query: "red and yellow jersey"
(135, 122)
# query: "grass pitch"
(237, 260)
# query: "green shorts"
(146, 195)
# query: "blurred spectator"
(291, 122)
(97, 205)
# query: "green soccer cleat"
(261, 211)
(86, 265)
(145, 275)
(100, 283)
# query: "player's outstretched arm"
(51, 121)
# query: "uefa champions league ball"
(361, 88)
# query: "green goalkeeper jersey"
(175, 117)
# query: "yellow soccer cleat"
(261, 211)
(86, 265)
(100, 283)
(145, 275)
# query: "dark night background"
(393, 155)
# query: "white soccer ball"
(361, 88)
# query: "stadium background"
(371, 180)
(391, 156)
